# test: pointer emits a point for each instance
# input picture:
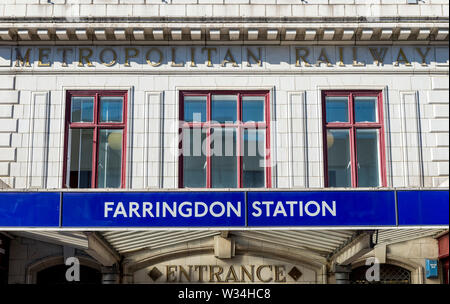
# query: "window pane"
(223, 158)
(253, 163)
(111, 109)
(109, 158)
(368, 155)
(337, 109)
(224, 108)
(194, 158)
(339, 166)
(80, 158)
(195, 108)
(82, 109)
(253, 108)
(366, 109)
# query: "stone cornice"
(234, 33)
(209, 19)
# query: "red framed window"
(95, 139)
(224, 139)
(353, 138)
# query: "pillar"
(342, 273)
(110, 275)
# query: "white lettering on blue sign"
(291, 208)
(172, 209)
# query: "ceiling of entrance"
(319, 242)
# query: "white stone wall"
(221, 8)
(416, 251)
(410, 255)
(24, 252)
(436, 111)
(28, 254)
(8, 126)
(298, 155)
(415, 104)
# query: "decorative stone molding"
(147, 258)
(415, 269)
(41, 264)
(182, 32)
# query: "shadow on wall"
(3, 185)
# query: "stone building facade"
(295, 55)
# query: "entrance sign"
(337, 208)
(214, 209)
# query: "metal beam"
(100, 250)
(71, 239)
(293, 244)
(358, 247)
(7, 235)
(170, 241)
(305, 239)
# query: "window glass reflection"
(82, 109)
(339, 166)
(223, 158)
(224, 108)
(252, 108)
(253, 162)
(195, 108)
(111, 109)
(109, 158)
(367, 142)
(336, 109)
(194, 158)
(80, 164)
(366, 109)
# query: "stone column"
(110, 275)
(342, 273)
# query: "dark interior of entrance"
(389, 274)
(57, 275)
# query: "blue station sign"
(29, 209)
(423, 207)
(240, 209)
(154, 209)
(337, 208)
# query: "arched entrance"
(57, 275)
(253, 263)
(389, 274)
(52, 270)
